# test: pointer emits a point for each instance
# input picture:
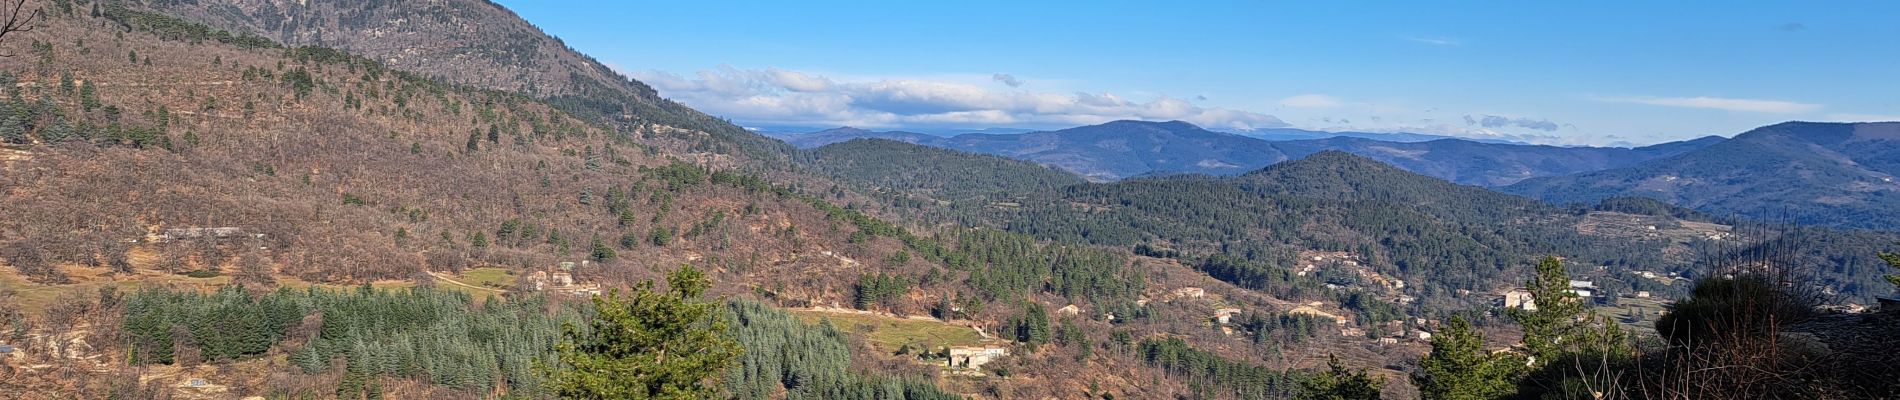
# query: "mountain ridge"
(478, 43)
(1838, 174)
(1081, 150)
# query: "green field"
(34, 297)
(889, 333)
(499, 278)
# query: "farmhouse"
(1519, 298)
(1225, 315)
(974, 357)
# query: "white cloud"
(1720, 103)
(1312, 101)
(798, 81)
(777, 96)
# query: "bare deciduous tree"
(15, 17)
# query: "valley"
(245, 199)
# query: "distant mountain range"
(1123, 149)
(1812, 173)
(1833, 174)
(1492, 164)
(1302, 134)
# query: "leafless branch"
(17, 18)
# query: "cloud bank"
(1493, 121)
(774, 96)
(1720, 103)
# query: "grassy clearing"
(1634, 313)
(499, 278)
(890, 333)
(34, 297)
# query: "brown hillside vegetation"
(336, 170)
(472, 42)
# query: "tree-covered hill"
(148, 151)
(1341, 176)
(232, 203)
(1491, 164)
(1807, 173)
(937, 174)
(839, 135)
(469, 42)
(1437, 235)
(1125, 149)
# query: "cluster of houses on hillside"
(561, 281)
(1520, 298)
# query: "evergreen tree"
(474, 141)
(66, 82)
(602, 252)
(874, 289)
(59, 131)
(1458, 368)
(507, 231)
(478, 240)
(1340, 383)
(652, 345)
(660, 235)
(1032, 326)
(12, 128)
(1547, 327)
(1563, 335)
(1893, 261)
(786, 358)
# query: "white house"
(1519, 298)
(975, 357)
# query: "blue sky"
(1548, 72)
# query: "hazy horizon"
(1635, 74)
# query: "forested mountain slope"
(191, 211)
(1491, 164)
(150, 161)
(472, 42)
(1809, 173)
(840, 135)
(1439, 236)
(1123, 149)
(886, 166)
